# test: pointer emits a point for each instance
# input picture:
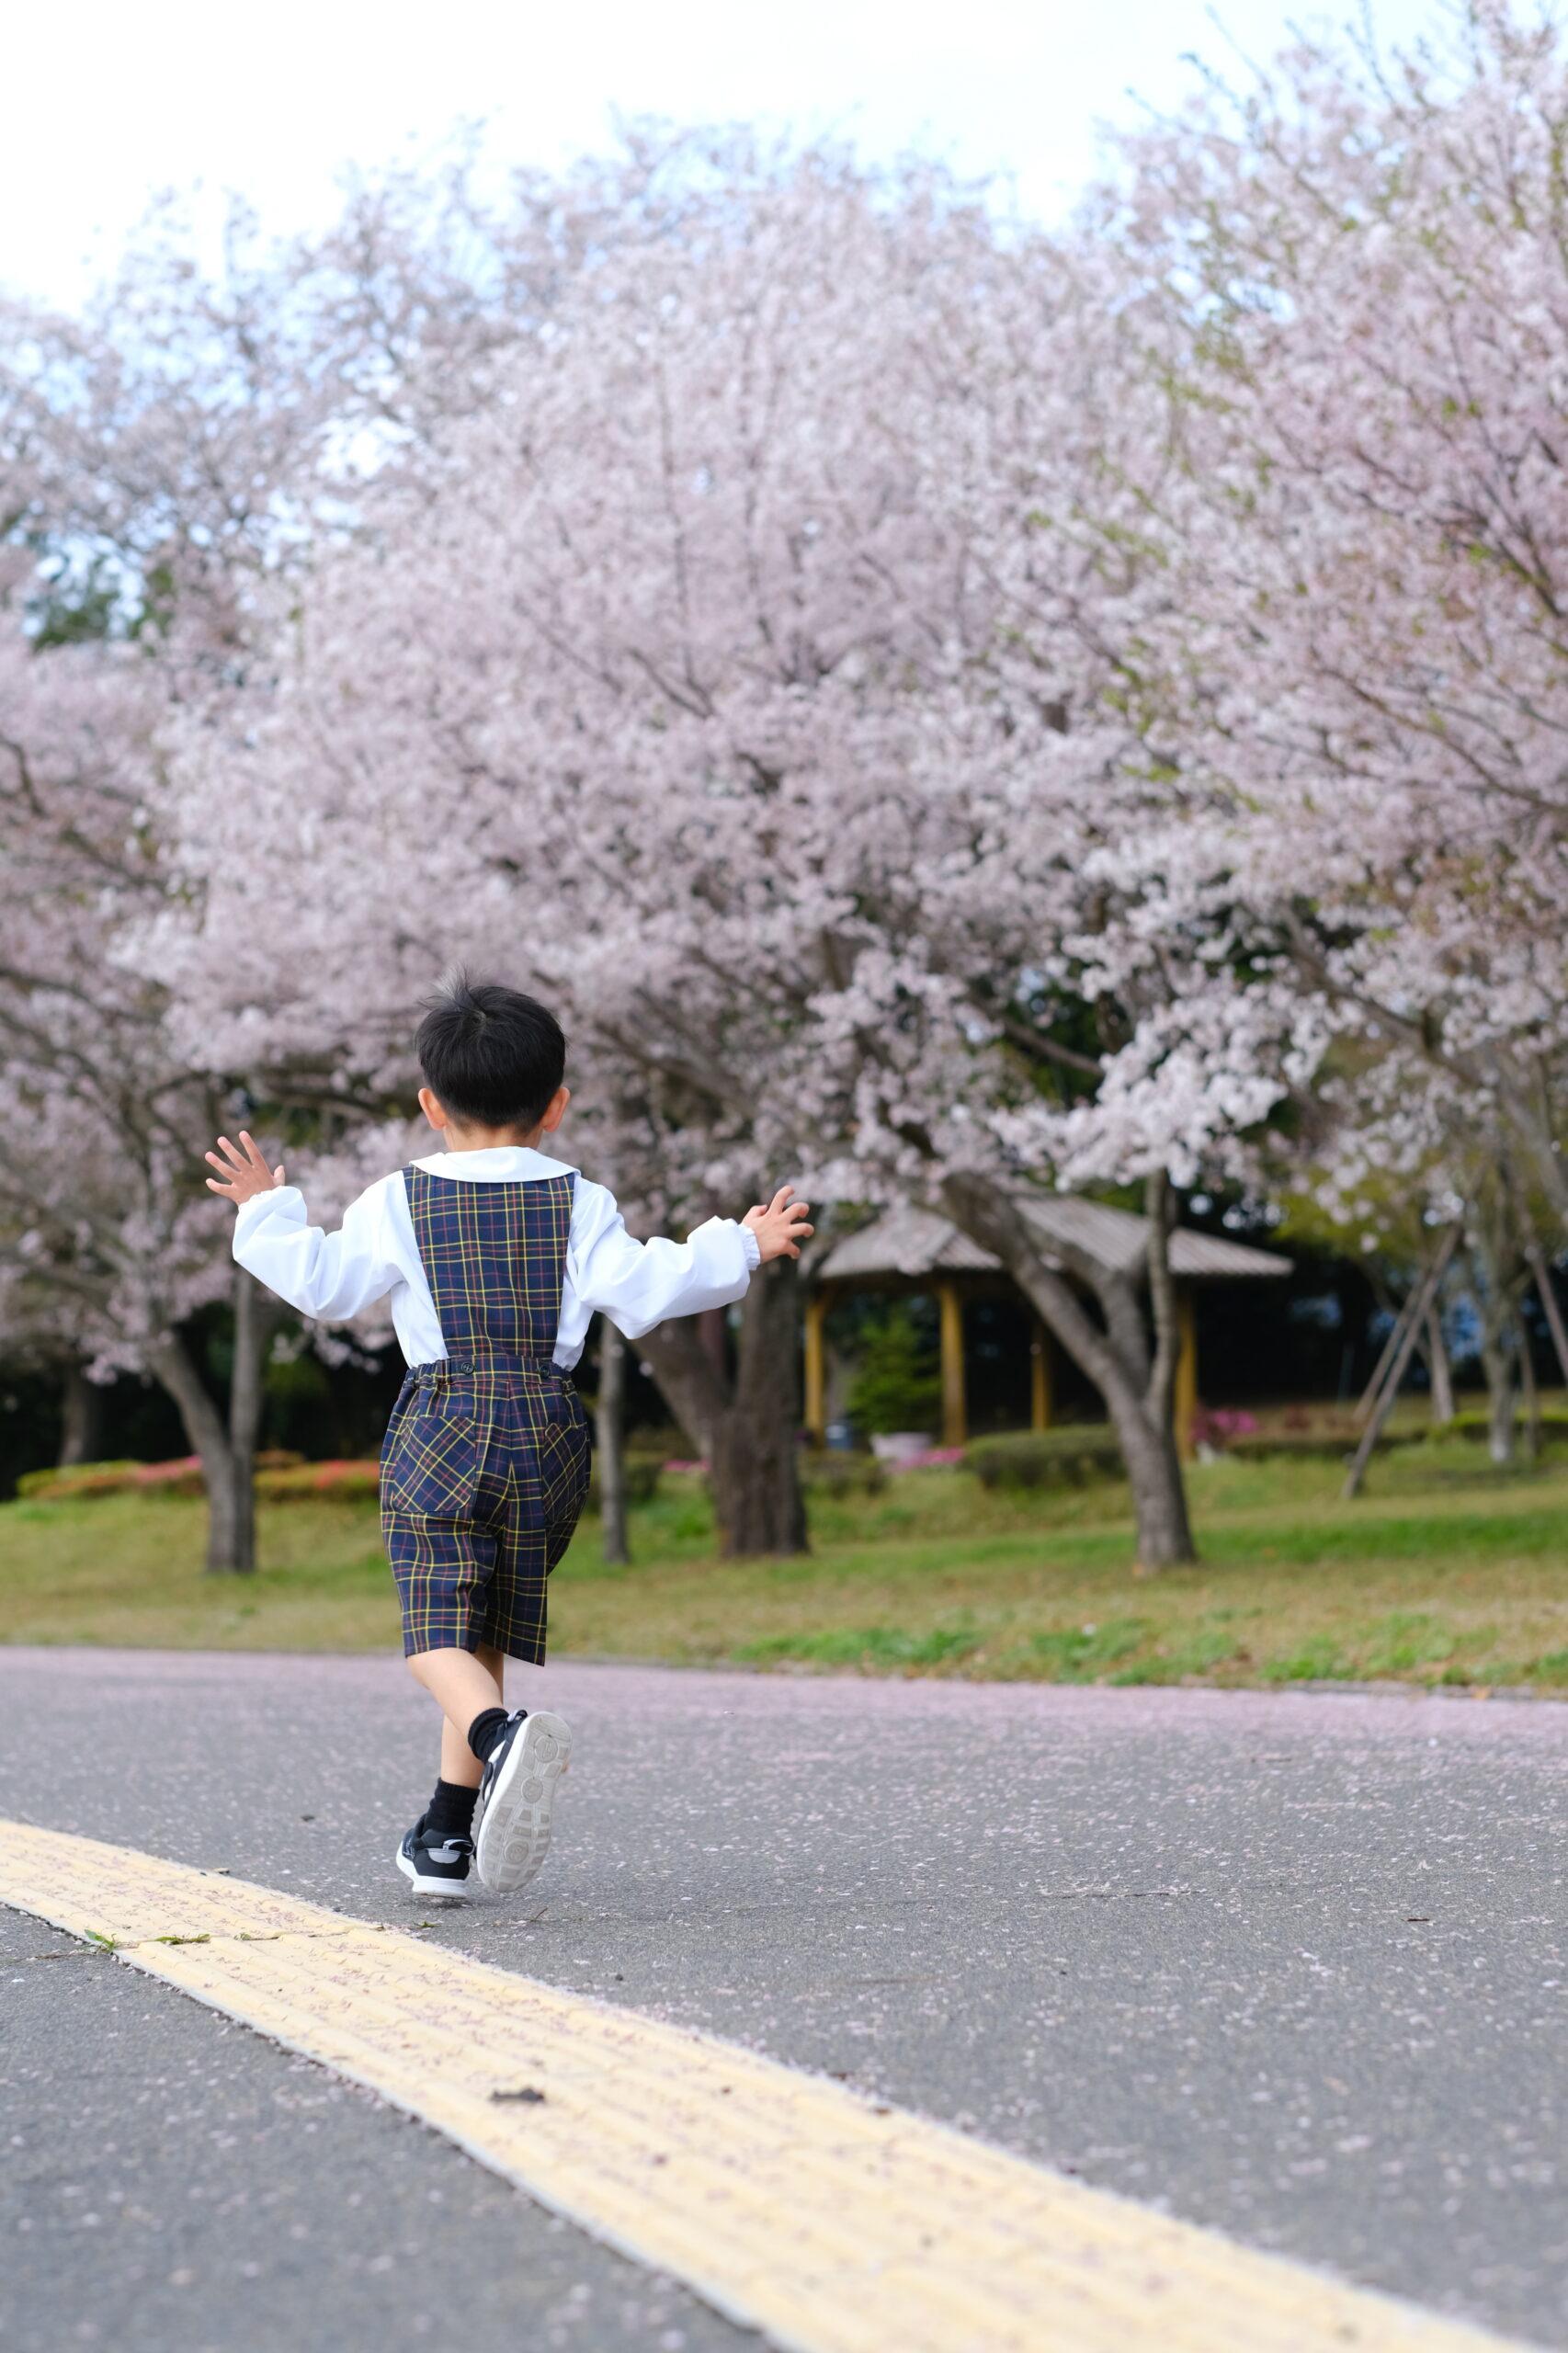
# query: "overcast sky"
(107, 104)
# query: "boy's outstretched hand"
(246, 1172)
(780, 1224)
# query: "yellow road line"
(792, 2205)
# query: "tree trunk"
(1154, 1474)
(227, 1454)
(756, 1485)
(744, 1424)
(1497, 1365)
(231, 1518)
(171, 1363)
(1499, 1276)
(1438, 1364)
(1137, 1384)
(81, 1418)
(256, 1313)
(610, 1431)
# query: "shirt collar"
(499, 1164)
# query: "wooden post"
(1541, 1269)
(955, 1413)
(1040, 1400)
(1420, 1300)
(1442, 1376)
(1374, 1388)
(816, 1368)
(1184, 1402)
(1531, 1394)
(1418, 1318)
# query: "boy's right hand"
(246, 1172)
(779, 1225)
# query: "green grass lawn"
(1446, 1572)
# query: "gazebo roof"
(914, 1242)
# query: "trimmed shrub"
(78, 1481)
(1221, 1425)
(1059, 1457)
(344, 1483)
(1478, 1427)
(1337, 1446)
(55, 1483)
(843, 1474)
(279, 1475)
(360, 1482)
(641, 1474)
(1309, 1446)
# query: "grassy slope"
(1446, 1572)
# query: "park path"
(1289, 1966)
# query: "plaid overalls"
(485, 1464)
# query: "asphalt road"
(1291, 1966)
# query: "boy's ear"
(557, 1112)
(434, 1110)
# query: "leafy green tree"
(898, 1386)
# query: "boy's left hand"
(247, 1172)
(779, 1225)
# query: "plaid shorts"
(484, 1474)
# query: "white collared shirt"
(373, 1256)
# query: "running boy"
(493, 1256)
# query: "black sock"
(487, 1729)
(450, 1813)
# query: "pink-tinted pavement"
(1291, 1965)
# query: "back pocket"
(431, 1460)
(563, 1470)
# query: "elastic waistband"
(469, 1362)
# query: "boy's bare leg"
(462, 1684)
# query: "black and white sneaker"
(511, 1822)
(435, 1863)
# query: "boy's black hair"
(493, 1056)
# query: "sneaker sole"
(445, 1891)
(513, 1838)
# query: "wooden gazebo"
(909, 1250)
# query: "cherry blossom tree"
(685, 678)
(1352, 655)
(111, 1248)
(160, 459)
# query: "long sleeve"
(332, 1277)
(639, 1284)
